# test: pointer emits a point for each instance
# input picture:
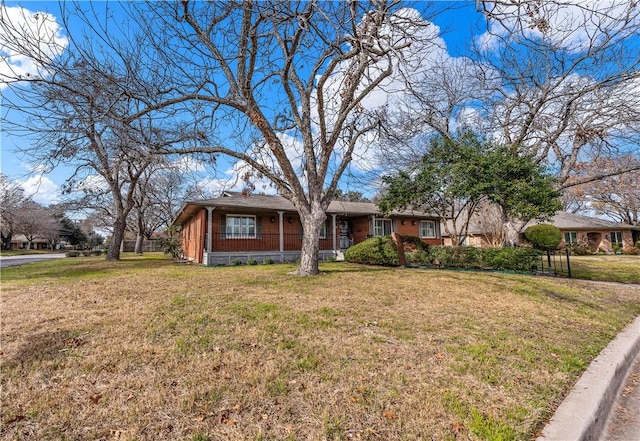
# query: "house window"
(616, 238)
(242, 227)
(323, 230)
(570, 238)
(427, 229)
(382, 227)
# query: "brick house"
(598, 234)
(246, 226)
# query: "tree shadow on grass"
(46, 346)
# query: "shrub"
(252, 262)
(374, 251)
(235, 262)
(72, 253)
(631, 251)
(413, 242)
(543, 236)
(512, 259)
(417, 258)
(509, 259)
(268, 261)
(580, 248)
(329, 258)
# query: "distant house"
(20, 242)
(598, 234)
(245, 226)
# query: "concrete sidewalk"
(584, 413)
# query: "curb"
(583, 414)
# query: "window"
(323, 230)
(427, 229)
(382, 227)
(242, 227)
(616, 238)
(570, 238)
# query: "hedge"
(382, 251)
(374, 251)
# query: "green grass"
(618, 268)
(149, 350)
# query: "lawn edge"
(584, 412)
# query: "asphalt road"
(28, 258)
(624, 424)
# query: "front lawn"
(608, 268)
(146, 349)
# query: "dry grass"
(625, 269)
(147, 350)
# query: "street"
(27, 258)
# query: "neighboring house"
(598, 234)
(246, 226)
(20, 242)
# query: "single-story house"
(20, 242)
(598, 234)
(246, 226)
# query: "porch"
(276, 247)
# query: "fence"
(555, 263)
(148, 246)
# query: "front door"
(344, 233)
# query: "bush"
(235, 262)
(72, 253)
(374, 251)
(508, 259)
(413, 243)
(543, 236)
(512, 259)
(268, 261)
(417, 258)
(252, 262)
(631, 251)
(580, 248)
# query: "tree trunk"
(511, 233)
(310, 253)
(139, 242)
(113, 253)
(6, 241)
(140, 236)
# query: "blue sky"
(456, 25)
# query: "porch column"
(333, 224)
(281, 229)
(372, 225)
(210, 229)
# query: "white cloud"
(573, 25)
(41, 189)
(187, 164)
(24, 32)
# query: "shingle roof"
(572, 221)
(564, 221)
(278, 203)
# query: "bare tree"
(32, 219)
(554, 79)
(77, 108)
(280, 86)
(11, 199)
(616, 196)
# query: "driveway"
(27, 258)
